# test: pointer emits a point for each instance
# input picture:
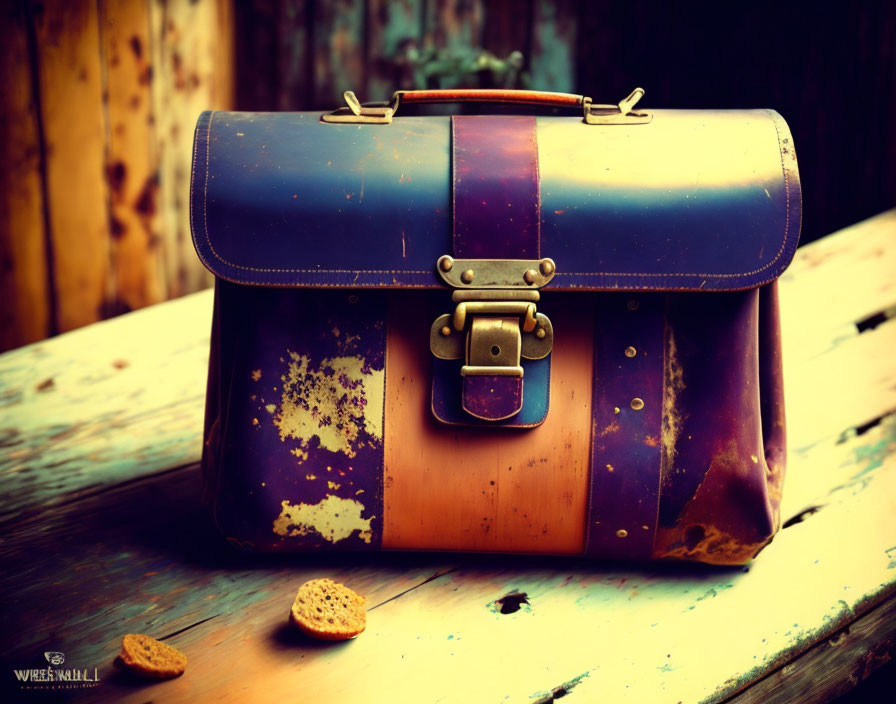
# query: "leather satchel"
(518, 332)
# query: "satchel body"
(496, 332)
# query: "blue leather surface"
(694, 200)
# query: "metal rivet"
(547, 267)
(633, 304)
(540, 333)
(446, 264)
(616, 410)
(637, 404)
(621, 533)
(446, 331)
(530, 276)
(467, 276)
(630, 351)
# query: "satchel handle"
(622, 113)
(470, 95)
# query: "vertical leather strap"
(497, 215)
(627, 417)
(497, 211)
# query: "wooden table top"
(103, 534)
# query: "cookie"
(152, 658)
(329, 611)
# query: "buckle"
(492, 329)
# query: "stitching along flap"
(692, 201)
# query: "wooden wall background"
(100, 97)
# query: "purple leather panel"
(627, 408)
(496, 206)
(492, 397)
(723, 440)
(294, 454)
(771, 387)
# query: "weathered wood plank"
(391, 26)
(552, 66)
(144, 557)
(834, 666)
(25, 315)
(188, 60)
(292, 57)
(818, 310)
(830, 393)
(116, 400)
(455, 25)
(70, 80)
(338, 34)
(131, 164)
(677, 631)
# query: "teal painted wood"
(554, 49)
(103, 404)
(107, 538)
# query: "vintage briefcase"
(496, 332)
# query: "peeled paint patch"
(334, 403)
(334, 519)
(673, 385)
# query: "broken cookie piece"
(329, 611)
(151, 658)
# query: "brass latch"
(502, 326)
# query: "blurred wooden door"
(97, 111)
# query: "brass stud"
(630, 351)
(540, 333)
(633, 304)
(530, 276)
(547, 267)
(446, 331)
(616, 410)
(621, 533)
(446, 264)
(467, 276)
(637, 404)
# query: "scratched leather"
(694, 200)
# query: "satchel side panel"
(298, 457)
(717, 504)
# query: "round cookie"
(329, 611)
(152, 658)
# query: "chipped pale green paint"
(870, 457)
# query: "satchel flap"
(693, 200)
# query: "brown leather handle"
(489, 95)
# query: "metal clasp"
(492, 330)
(354, 112)
(622, 113)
